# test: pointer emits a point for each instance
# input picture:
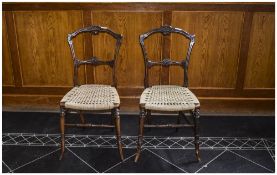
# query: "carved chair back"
(94, 30)
(166, 30)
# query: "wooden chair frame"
(95, 30)
(144, 113)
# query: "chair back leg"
(140, 136)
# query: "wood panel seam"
(244, 49)
(13, 44)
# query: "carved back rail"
(166, 30)
(94, 30)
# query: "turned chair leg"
(140, 136)
(148, 118)
(62, 128)
(112, 120)
(118, 134)
(196, 133)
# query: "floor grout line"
(10, 170)
(167, 161)
(36, 159)
(124, 136)
(204, 166)
(250, 160)
(268, 150)
(82, 160)
(121, 162)
(107, 139)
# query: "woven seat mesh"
(168, 98)
(91, 97)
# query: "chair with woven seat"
(92, 97)
(168, 98)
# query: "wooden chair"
(92, 97)
(168, 98)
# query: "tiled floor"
(30, 143)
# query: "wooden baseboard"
(129, 104)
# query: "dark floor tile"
(35, 122)
(186, 159)
(237, 126)
(5, 169)
(231, 163)
(101, 158)
(261, 157)
(51, 164)
(30, 122)
(148, 163)
(15, 156)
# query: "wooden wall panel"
(130, 68)
(44, 53)
(154, 45)
(231, 68)
(103, 48)
(215, 55)
(7, 71)
(261, 55)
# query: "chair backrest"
(94, 30)
(166, 30)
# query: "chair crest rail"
(94, 30)
(166, 30)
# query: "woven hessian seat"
(168, 98)
(92, 97)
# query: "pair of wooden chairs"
(158, 98)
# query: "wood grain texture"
(167, 20)
(7, 71)
(42, 40)
(231, 68)
(145, 6)
(240, 106)
(130, 68)
(154, 45)
(261, 57)
(103, 48)
(13, 45)
(136, 91)
(88, 52)
(214, 58)
(244, 49)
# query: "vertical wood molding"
(87, 17)
(244, 47)
(12, 39)
(166, 49)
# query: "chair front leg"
(196, 117)
(148, 118)
(62, 128)
(118, 133)
(140, 136)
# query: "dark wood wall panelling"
(231, 68)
